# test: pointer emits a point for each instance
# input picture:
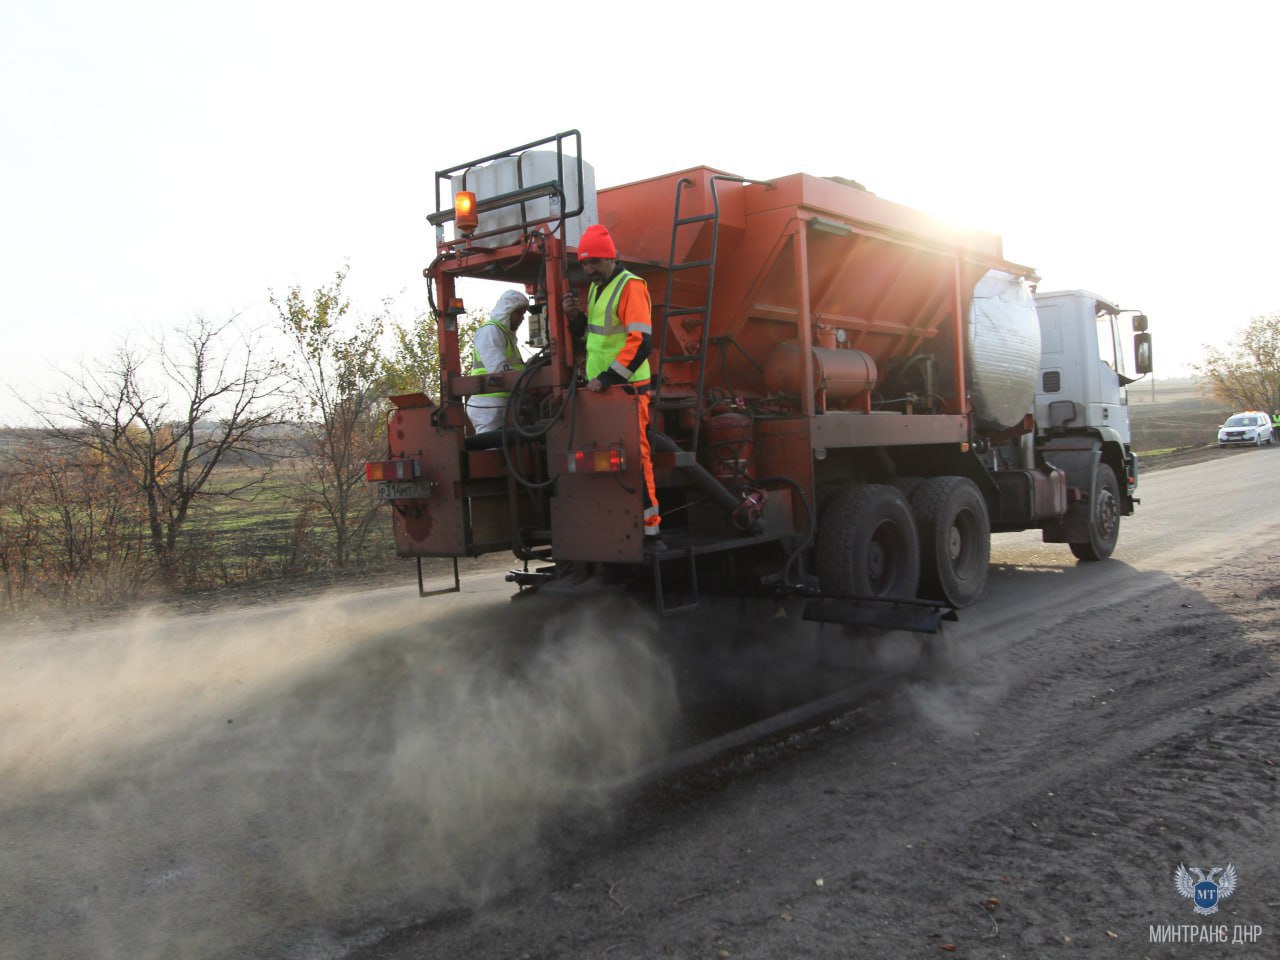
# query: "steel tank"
(843, 374)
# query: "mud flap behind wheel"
(530, 578)
(921, 616)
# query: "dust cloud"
(258, 782)
(750, 659)
(744, 661)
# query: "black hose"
(809, 517)
(514, 432)
(521, 386)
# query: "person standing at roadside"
(493, 350)
(618, 324)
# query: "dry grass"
(1179, 418)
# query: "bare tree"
(166, 419)
(337, 374)
(1246, 375)
(70, 531)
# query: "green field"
(92, 547)
(270, 531)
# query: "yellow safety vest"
(514, 360)
(606, 334)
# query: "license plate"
(404, 489)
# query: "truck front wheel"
(1104, 517)
(867, 544)
(955, 539)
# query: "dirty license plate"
(404, 489)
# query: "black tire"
(906, 485)
(868, 545)
(1104, 517)
(955, 539)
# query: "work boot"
(655, 544)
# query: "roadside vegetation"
(201, 459)
(1245, 374)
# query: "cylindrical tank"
(1004, 351)
(730, 439)
(844, 374)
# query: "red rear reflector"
(376, 471)
(608, 460)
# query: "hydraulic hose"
(810, 524)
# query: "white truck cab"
(1083, 367)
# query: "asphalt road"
(1190, 517)
(372, 775)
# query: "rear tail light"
(607, 460)
(376, 471)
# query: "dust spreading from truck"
(189, 787)
(741, 661)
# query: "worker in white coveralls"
(493, 350)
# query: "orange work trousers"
(652, 518)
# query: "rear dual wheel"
(955, 539)
(873, 543)
(868, 545)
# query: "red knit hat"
(596, 244)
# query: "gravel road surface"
(370, 775)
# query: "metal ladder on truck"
(672, 312)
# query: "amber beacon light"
(464, 212)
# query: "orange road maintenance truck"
(848, 397)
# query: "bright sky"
(160, 159)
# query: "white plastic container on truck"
(510, 174)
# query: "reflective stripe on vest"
(514, 360)
(606, 334)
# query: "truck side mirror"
(1142, 352)
(1140, 323)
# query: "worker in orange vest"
(618, 324)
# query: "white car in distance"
(1250, 428)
